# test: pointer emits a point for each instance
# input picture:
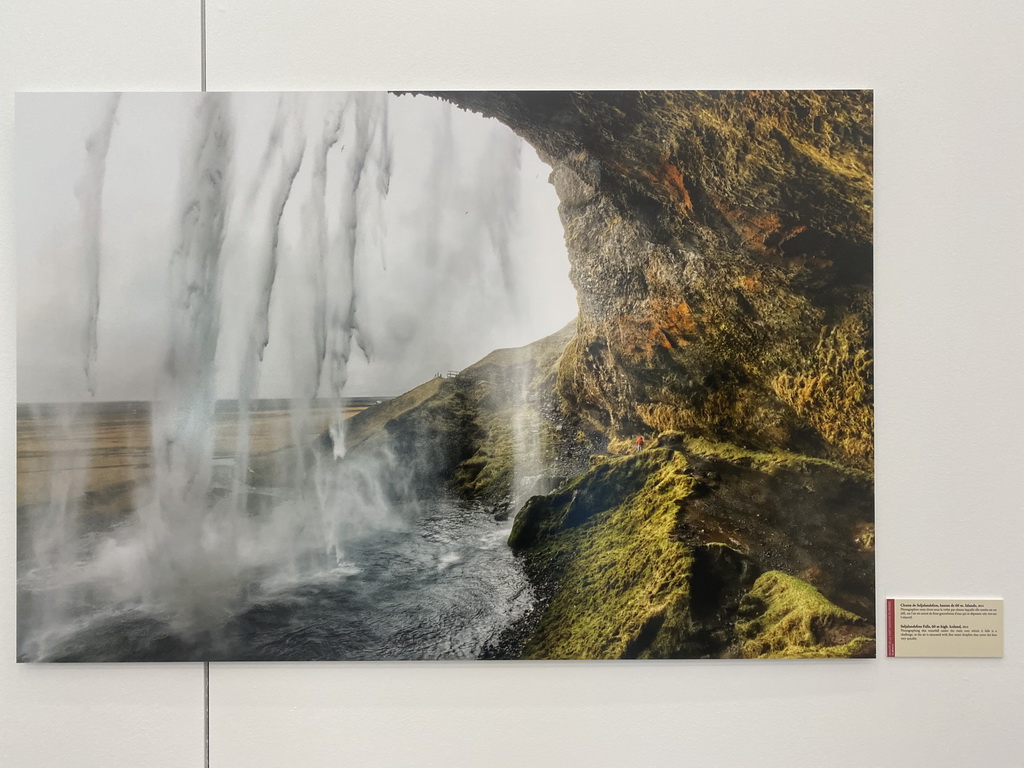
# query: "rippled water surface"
(444, 586)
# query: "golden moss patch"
(796, 621)
(766, 461)
(617, 553)
(835, 391)
(622, 568)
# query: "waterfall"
(90, 193)
(365, 182)
(183, 415)
(308, 246)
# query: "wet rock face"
(801, 520)
(721, 248)
(661, 554)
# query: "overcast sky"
(463, 254)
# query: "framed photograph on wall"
(452, 375)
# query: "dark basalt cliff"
(721, 248)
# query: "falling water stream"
(276, 250)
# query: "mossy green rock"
(648, 555)
(794, 620)
(607, 539)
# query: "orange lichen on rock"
(670, 182)
(639, 336)
(675, 181)
(750, 284)
(756, 229)
(786, 234)
(680, 319)
(661, 326)
(762, 232)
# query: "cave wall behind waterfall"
(721, 249)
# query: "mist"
(365, 242)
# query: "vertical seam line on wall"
(206, 711)
(206, 664)
(202, 43)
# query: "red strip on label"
(890, 627)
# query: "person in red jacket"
(639, 443)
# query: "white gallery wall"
(949, 140)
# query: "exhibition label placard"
(955, 627)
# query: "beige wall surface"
(948, 79)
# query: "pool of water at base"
(443, 587)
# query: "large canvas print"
(454, 375)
